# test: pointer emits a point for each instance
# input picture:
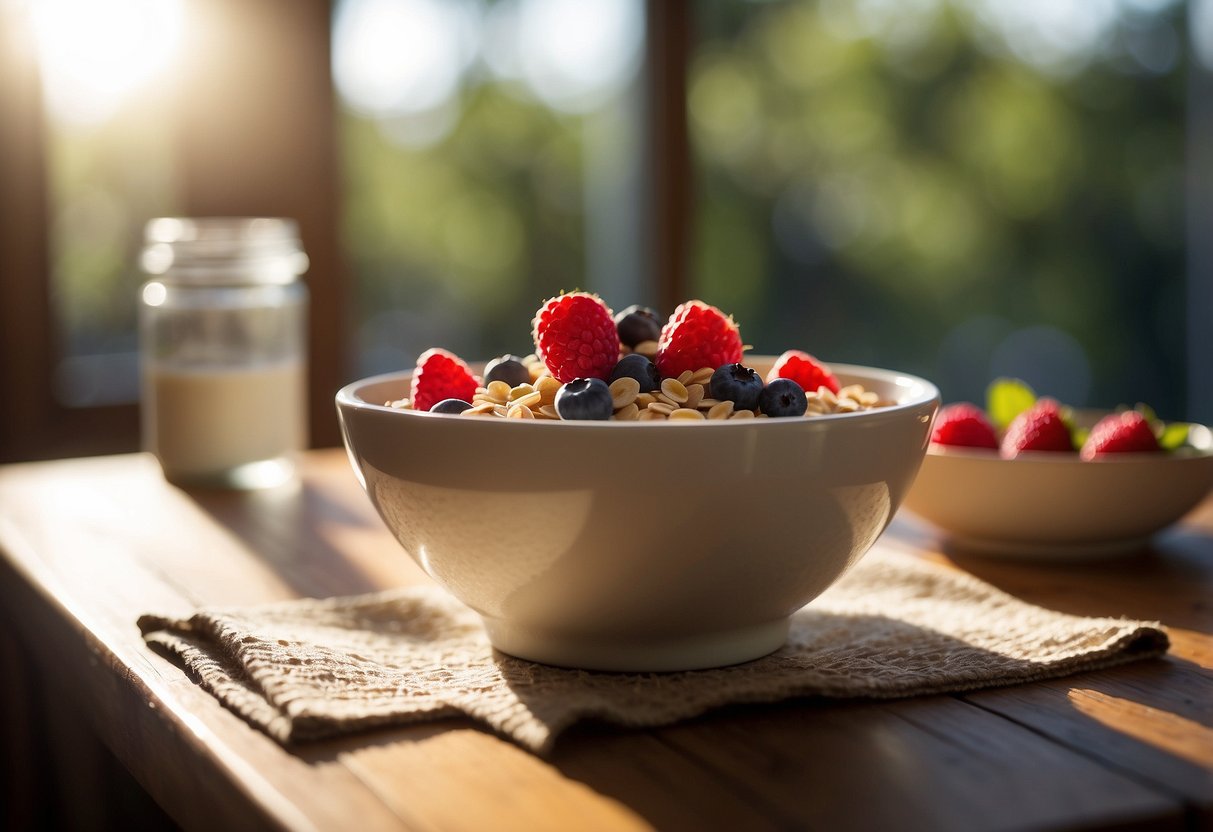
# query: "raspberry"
(696, 336)
(803, 369)
(964, 424)
(575, 337)
(440, 375)
(1039, 428)
(1127, 432)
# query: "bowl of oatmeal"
(636, 495)
(637, 545)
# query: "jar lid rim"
(178, 230)
(224, 250)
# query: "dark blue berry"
(636, 324)
(507, 368)
(782, 397)
(450, 406)
(640, 368)
(736, 383)
(584, 398)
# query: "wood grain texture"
(90, 544)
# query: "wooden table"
(87, 545)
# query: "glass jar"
(223, 342)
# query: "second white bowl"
(1051, 506)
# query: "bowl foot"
(637, 654)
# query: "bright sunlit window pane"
(492, 158)
(959, 188)
(106, 67)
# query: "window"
(959, 188)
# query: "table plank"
(997, 775)
(473, 780)
(1160, 712)
(76, 610)
(90, 544)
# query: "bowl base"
(1038, 551)
(691, 652)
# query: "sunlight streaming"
(401, 57)
(404, 58)
(96, 54)
(1175, 734)
(576, 54)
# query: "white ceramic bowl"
(1047, 506)
(638, 546)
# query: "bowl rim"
(921, 392)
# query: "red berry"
(1039, 428)
(440, 375)
(805, 370)
(575, 336)
(696, 336)
(1127, 432)
(964, 424)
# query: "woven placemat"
(894, 626)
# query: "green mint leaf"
(1079, 436)
(1173, 435)
(1006, 398)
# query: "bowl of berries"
(638, 494)
(1027, 477)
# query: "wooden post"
(668, 43)
(257, 122)
(25, 313)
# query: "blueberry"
(450, 406)
(507, 368)
(636, 324)
(736, 383)
(640, 368)
(584, 398)
(782, 397)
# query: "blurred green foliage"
(107, 180)
(912, 202)
(457, 243)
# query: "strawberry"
(1039, 428)
(697, 335)
(965, 425)
(575, 337)
(805, 370)
(1127, 432)
(440, 375)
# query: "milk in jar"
(223, 345)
